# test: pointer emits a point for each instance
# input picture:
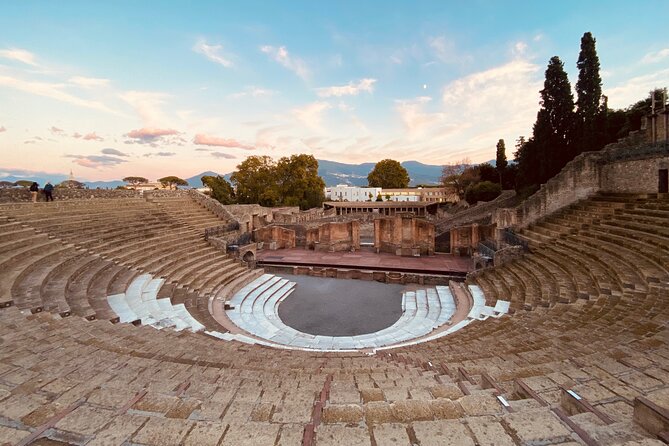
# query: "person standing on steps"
(34, 188)
(48, 191)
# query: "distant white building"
(343, 192)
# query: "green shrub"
(483, 191)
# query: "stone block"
(85, 420)
(163, 431)
(372, 394)
(537, 427)
(450, 391)
(445, 409)
(205, 433)
(442, 433)
(337, 435)
(342, 413)
(489, 432)
(391, 434)
(410, 410)
(379, 413)
(251, 434)
(118, 431)
(291, 435)
(480, 404)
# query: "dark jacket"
(48, 188)
(34, 187)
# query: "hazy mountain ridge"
(332, 172)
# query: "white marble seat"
(140, 302)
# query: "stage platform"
(438, 264)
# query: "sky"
(147, 88)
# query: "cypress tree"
(549, 149)
(500, 160)
(589, 98)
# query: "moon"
(424, 86)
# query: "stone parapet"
(618, 167)
(17, 195)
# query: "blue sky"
(155, 88)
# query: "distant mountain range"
(332, 172)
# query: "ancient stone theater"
(164, 317)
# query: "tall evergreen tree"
(549, 149)
(590, 113)
(500, 160)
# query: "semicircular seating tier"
(427, 314)
(582, 356)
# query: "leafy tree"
(255, 182)
(24, 183)
(379, 198)
(221, 190)
(590, 114)
(71, 184)
(172, 182)
(500, 159)
(298, 182)
(483, 191)
(387, 197)
(486, 172)
(388, 174)
(134, 181)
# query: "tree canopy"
(172, 182)
(135, 180)
(292, 181)
(388, 174)
(255, 182)
(221, 190)
(298, 181)
(24, 183)
(71, 184)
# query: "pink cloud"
(77, 135)
(2, 129)
(206, 140)
(55, 130)
(93, 137)
(149, 133)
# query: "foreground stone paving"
(583, 360)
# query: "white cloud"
(213, 53)
(519, 49)
(443, 49)
(311, 115)
(148, 106)
(656, 56)
(415, 118)
(88, 82)
(254, 92)
(292, 63)
(636, 88)
(352, 89)
(53, 91)
(20, 55)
